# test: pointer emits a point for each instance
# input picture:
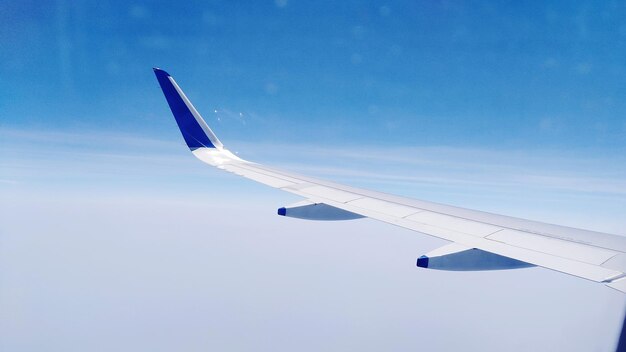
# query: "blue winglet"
(196, 132)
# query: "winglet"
(196, 132)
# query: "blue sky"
(112, 236)
(546, 74)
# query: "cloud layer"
(112, 241)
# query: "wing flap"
(569, 250)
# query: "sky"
(112, 236)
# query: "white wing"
(482, 241)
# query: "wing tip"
(195, 131)
(160, 70)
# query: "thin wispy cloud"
(479, 178)
(547, 169)
(427, 165)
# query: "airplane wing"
(480, 240)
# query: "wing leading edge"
(590, 255)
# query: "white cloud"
(113, 240)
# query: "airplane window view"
(312, 176)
